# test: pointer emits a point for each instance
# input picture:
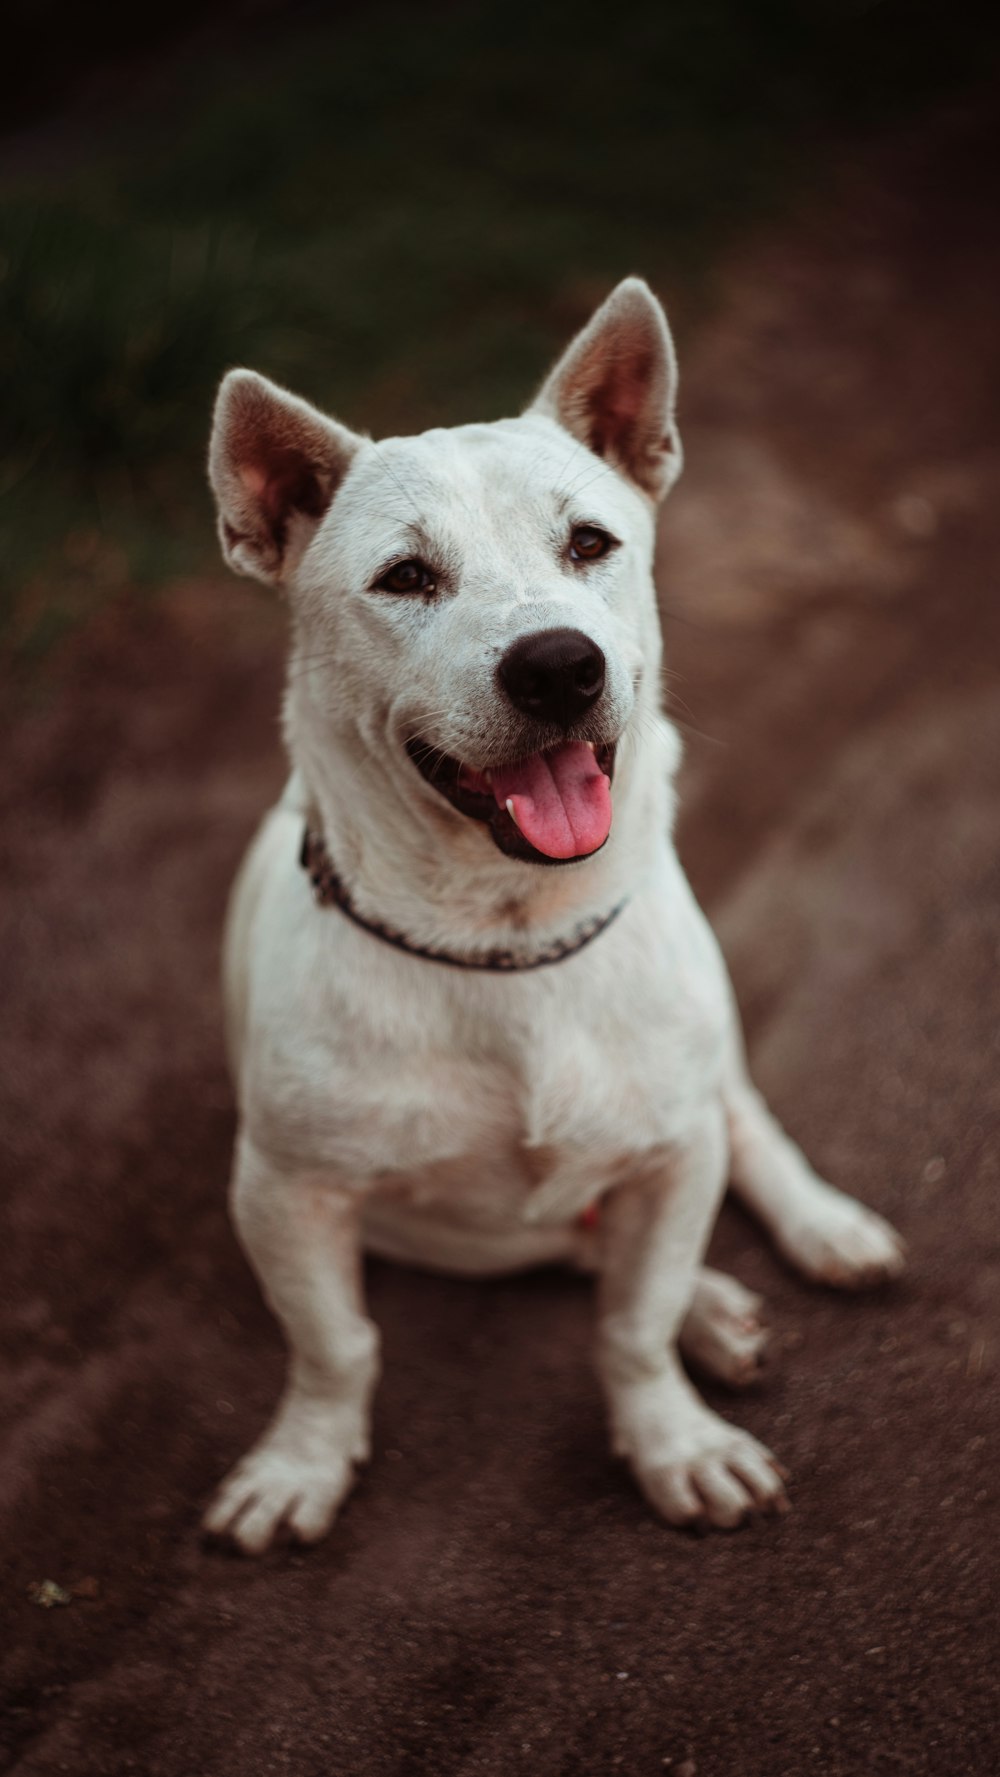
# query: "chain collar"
(330, 891)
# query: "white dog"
(446, 1049)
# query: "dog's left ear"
(615, 388)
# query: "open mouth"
(550, 808)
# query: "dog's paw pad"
(270, 1491)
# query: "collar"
(330, 891)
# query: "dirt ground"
(496, 1597)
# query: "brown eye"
(407, 576)
(587, 543)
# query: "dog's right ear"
(275, 464)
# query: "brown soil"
(496, 1597)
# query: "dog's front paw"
(697, 1470)
(840, 1242)
(281, 1485)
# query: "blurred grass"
(401, 214)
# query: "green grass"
(402, 215)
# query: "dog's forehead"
(461, 473)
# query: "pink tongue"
(561, 800)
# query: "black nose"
(555, 675)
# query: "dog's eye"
(588, 543)
(407, 576)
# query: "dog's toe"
(727, 1501)
(270, 1491)
(723, 1478)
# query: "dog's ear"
(615, 387)
(275, 464)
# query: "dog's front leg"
(300, 1233)
(692, 1466)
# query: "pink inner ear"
(253, 479)
(616, 403)
(287, 481)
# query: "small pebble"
(48, 1593)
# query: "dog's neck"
(410, 862)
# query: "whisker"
(390, 471)
(578, 487)
(560, 487)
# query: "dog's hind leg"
(300, 1232)
(824, 1233)
(723, 1333)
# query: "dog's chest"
(537, 1114)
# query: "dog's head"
(474, 623)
